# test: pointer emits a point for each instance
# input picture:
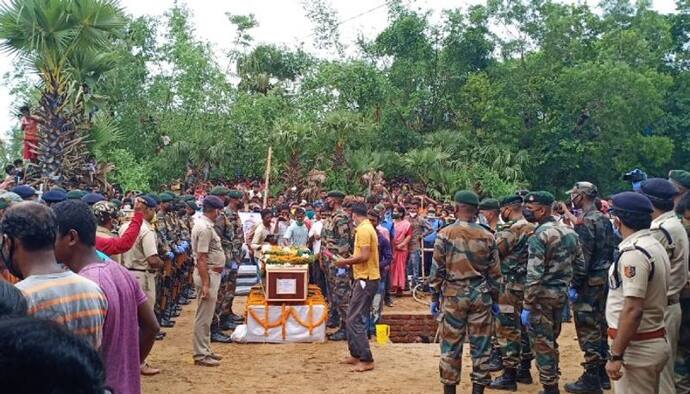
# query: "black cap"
(149, 201)
(659, 188)
(54, 196)
(632, 202)
(213, 202)
(24, 191)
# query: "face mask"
(504, 217)
(482, 220)
(299, 222)
(396, 215)
(413, 214)
(7, 260)
(529, 215)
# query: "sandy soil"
(313, 368)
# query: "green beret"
(59, 189)
(116, 202)
(75, 194)
(187, 197)
(336, 194)
(511, 200)
(166, 197)
(4, 203)
(489, 204)
(219, 191)
(235, 194)
(192, 204)
(680, 178)
(466, 197)
(540, 197)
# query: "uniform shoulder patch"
(629, 271)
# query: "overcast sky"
(280, 22)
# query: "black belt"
(674, 299)
(142, 270)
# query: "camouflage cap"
(235, 194)
(540, 197)
(466, 197)
(586, 188)
(680, 178)
(489, 204)
(219, 191)
(104, 210)
(511, 200)
(11, 197)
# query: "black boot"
(587, 384)
(339, 335)
(604, 380)
(228, 324)
(218, 336)
(496, 360)
(550, 389)
(449, 388)
(523, 374)
(333, 322)
(506, 381)
(477, 388)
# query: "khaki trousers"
(672, 318)
(147, 281)
(642, 365)
(204, 314)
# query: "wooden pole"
(267, 175)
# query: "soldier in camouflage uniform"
(167, 238)
(337, 239)
(511, 241)
(464, 278)
(587, 292)
(552, 250)
(681, 179)
(229, 228)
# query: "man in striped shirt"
(28, 250)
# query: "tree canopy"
(513, 94)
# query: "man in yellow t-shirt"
(365, 270)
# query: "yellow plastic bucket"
(383, 332)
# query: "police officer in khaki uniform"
(669, 231)
(637, 300)
(209, 259)
(143, 261)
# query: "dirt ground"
(314, 368)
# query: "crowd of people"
(112, 270)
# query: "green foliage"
(557, 93)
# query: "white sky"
(280, 22)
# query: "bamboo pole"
(267, 175)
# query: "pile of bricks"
(407, 328)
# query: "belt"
(641, 336)
(674, 299)
(142, 270)
(216, 269)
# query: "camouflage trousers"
(681, 368)
(226, 295)
(589, 312)
(339, 285)
(512, 336)
(543, 330)
(466, 313)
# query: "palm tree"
(66, 42)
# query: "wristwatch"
(615, 357)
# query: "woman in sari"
(403, 234)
